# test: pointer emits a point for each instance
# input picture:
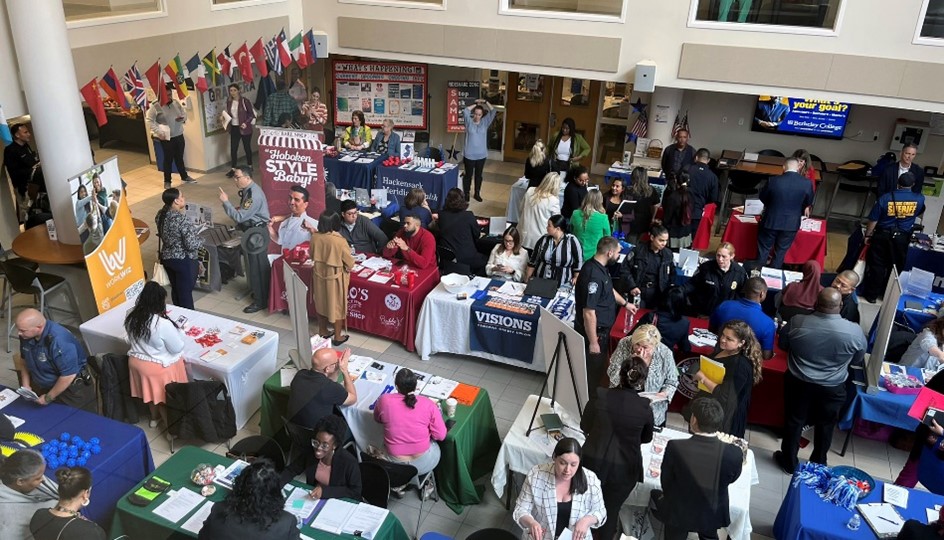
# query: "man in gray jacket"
(360, 232)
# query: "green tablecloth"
(468, 453)
(140, 523)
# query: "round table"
(34, 245)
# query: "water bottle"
(637, 300)
(854, 522)
(627, 322)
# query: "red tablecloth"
(766, 398)
(807, 245)
(703, 234)
(380, 309)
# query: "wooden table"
(765, 165)
(34, 245)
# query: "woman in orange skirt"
(156, 346)
(331, 275)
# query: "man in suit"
(696, 473)
(786, 198)
(702, 186)
(888, 180)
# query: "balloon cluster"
(70, 451)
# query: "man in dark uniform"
(888, 180)
(846, 282)
(786, 198)
(702, 186)
(596, 307)
(888, 234)
(253, 211)
(679, 156)
(22, 165)
(53, 363)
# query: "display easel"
(555, 368)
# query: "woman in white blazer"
(537, 206)
(560, 495)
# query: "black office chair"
(446, 259)
(492, 534)
(401, 475)
(376, 484)
(770, 153)
(740, 183)
(300, 438)
(22, 278)
(854, 177)
(258, 446)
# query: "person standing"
(537, 206)
(537, 166)
(459, 231)
(589, 223)
(22, 165)
(567, 147)
(314, 111)
(477, 120)
(806, 169)
(821, 347)
(280, 107)
(575, 191)
(888, 181)
(596, 306)
(75, 491)
(679, 156)
(331, 276)
(166, 123)
(677, 212)
(702, 186)
(846, 282)
(787, 198)
(646, 200)
(253, 211)
(178, 247)
(888, 234)
(242, 117)
(648, 270)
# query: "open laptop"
(726, 163)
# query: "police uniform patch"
(592, 288)
(247, 203)
(734, 285)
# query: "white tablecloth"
(518, 190)
(243, 369)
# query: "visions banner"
(505, 327)
(291, 157)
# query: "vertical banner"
(109, 241)
(291, 157)
(459, 95)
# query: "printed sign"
(291, 157)
(381, 90)
(459, 95)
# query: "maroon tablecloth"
(380, 309)
(807, 245)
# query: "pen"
(888, 520)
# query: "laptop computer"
(545, 288)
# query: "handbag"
(158, 273)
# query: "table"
(916, 320)
(468, 451)
(626, 175)
(881, 407)
(804, 516)
(350, 175)
(517, 193)
(124, 461)
(764, 165)
(176, 470)
(34, 245)
(398, 183)
(766, 397)
(807, 245)
(241, 369)
(930, 260)
(380, 309)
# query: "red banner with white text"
(290, 157)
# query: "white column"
(663, 107)
(52, 93)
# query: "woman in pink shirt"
(412, 425)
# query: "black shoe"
(252, 308)
(477, 197)
(466, 198)
(780, 460)
(188, 180)
(339, 342)
(166, 185)
(231, 173)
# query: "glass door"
(615, 122)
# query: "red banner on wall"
(459, 95)
(290, 157)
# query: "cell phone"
(933, 414)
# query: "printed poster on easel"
(381, 90)
(459, 95)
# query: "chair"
(376, 484)
(200, 410)
(740, 183)
(448, 264)
(300, 437)
(400, 475)
(770, 153)
(492, 534)
(258, 446)
(854, 177)
(24, 279)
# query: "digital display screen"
(798, 116)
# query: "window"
(576, 92)
(530, 87)
(805, 15)
(596, 10)
(615, 122)
(931, 23)
(127, 9)
(418, 4)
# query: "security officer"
(715, 281)
(889, 233)
(253, 211)
(596, 302)
(53, 363)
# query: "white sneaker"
(153, 423)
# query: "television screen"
(798, 116)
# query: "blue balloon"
(65, 436)
(86, 454)
(73, 452)
(95, 440)
(96, 449)
(81, 462)
(70, 462)
(76, 440)
(53, 463)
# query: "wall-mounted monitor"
(798, 116)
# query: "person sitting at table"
(787, 199)
(618, 421)
(415, 203)
(537, 206)
(332, 471)
(386, 143)
(459, 231)
(846, 282)
(669, 318)
(648, 269)
(567, 147)
(716, 280)
(253, 510)
(575, 191)
(53, 363)
(331, 276)
(315, 392)
(677, 211)
(927, 349)
(332, 204)
(157, 343)
(914, 529)
(702, 186)
(562, 494)
(612, 200)
(357, 136)
(662, 380)
(740, 355)
(359, 231)
(412, 244)
(696, 473)
(748, 309)
(537, 165)
(75, 490)
(646, 200)
(508, 261)
(557, 255)
(412, 426)
(924, 436)
(679, 156)
(24, 489)
(806, 168)
(295, 228)
(799, 297)
(589, 223)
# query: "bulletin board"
(381, 90)
(214, 101)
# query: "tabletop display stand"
(554, 367)
(297, 294)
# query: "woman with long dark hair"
(242, 118)
(508, 260)
(806, 166)
(459, 230)
(253, 510)
(416, 203)
(177, 247)
(75, 490)
(357, 136)
(567, 147)
(557, 255)
(677, 211)
(646, 200)
(612, 200)
(331, 276)
(154, 359)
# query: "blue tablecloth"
(911, 318)
(125, 459)
(932, 261)
(399, 182)
(882, 407)
(350, 175)
(804, 516)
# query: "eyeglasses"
(322, 446)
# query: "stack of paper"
(226, 476)
(811, 225)
(439, 388)
(702, 338)
(342, 517)
(299, 504)
(179, 504)
(195, 522)
(773, 277)
(287, 375)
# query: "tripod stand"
(555, 368)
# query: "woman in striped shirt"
(557, 255)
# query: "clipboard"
(884, 519)
(625, 207)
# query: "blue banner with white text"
(505, 327)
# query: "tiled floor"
(507, 387)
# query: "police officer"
(715, 281)
(53, 363)
(889, 233)
(253, 211)
(597, 302)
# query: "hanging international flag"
(310, 47)
(285, 54)
(153, 75)
(176, 73)
(113, 89)
(93, 97)
(244, 61)
(135, 86)
(197, 73)
(5, 134)
(211, 68)
(272, 55)
(297, 47)
(227, 65)
(259, 57)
